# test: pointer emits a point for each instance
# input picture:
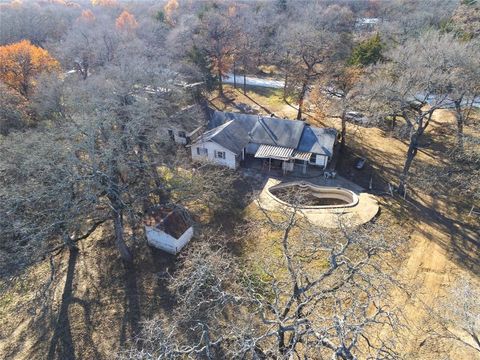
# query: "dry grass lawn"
(102, 302)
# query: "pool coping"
(309, 184)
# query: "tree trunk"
(344, 131)
(285, 87)
(117, 213)
(460, 121)
(119, 239)
(220, 83)
(411, 152)
(244, 80)
(281, 341)
(84, 68)
(24, 88)
(234, 75)
(301, 98)
(413, 146)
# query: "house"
(235, 137)
(169, 229)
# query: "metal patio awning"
(300, 155)
(274, 152)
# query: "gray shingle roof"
(234, 131)
(263, 130)
(317, 140)
(232, 135)
(218, 118)
(278, 132)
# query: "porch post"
(269, 163)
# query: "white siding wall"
(211, 147)
(165, 242)
(321, 160)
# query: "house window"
(171, 134)
(313, 158)
(202, 151)
(182, 134)
(220, 154)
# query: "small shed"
(169, 229)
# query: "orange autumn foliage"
(21, 63)
(126, 22)
(169, 9)
(87, 16)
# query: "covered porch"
(288, 160)
(274, 167)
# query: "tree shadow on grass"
(62, 342)
(461, 241)
(256, 103)
(131, 319)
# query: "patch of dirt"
(444, 244)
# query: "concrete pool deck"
(364, 211)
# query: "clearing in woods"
(444, 242)
(99, 303)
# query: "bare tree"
(335, 95)
(412, 85)
(90, 43)
(311, 46)
(14, 110)
(107, 148)
(405, 19)
(212, 41)
(457, 318)
(292, 309)
(35, 22)
(464, 87)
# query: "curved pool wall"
(349, 198)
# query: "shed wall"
(166, 242)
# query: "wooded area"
(89, 91)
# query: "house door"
(171, 135)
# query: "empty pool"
(306, 195)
